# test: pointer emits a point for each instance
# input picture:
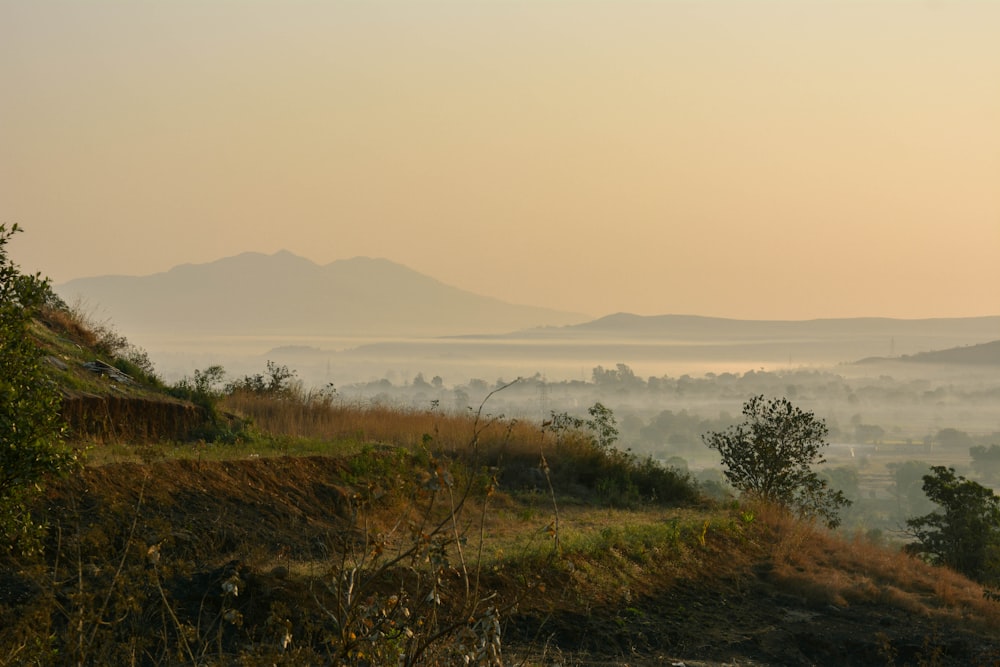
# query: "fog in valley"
(897, 395)
(890, 416)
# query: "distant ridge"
(984, 354)
(699, 328)
(284, 294)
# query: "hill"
(284, 294)
(641, 586)
(716, 329)
(109, 391)
(333, 533)
(654, 345)
(984, 354)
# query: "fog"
(671, 379)
(887, 402)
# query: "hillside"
(640, 587)
(333, 533)
(256, 294)
(105, 396)
(984, 354)
(919, 334)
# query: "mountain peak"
(283, 293)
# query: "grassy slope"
(592, 584)
(684, 583)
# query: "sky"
(731, 158)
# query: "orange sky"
(733, 158)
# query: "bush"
(770, 457)
(586, 456)
(965, 536)
(31, 428)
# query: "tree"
(604, 425)
(986, 461)
(907, 488)
(31, 426)
(952, 437)
(769, 456)
(965, 534)
(279, 382)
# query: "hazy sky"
(733, 158)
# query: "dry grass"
(614, 566)
(70, 324)
(323, 417)
(825, 568)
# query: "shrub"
(586, 456)
(966, 534)
(770, 457)
(31, 429)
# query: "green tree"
(952, 437)
(965, 533)
(604, 426)
(986, 461)
(31, 427)
(907, 488)
(278, 383)
(770, 455)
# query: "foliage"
(279, 382)
(412, 594)
(986, 461)
(203, 389)
(965, 533)
(620, 378)
(30, 425)
(603, 424)
(907, 488)
(104, 339)
(402, 582)
(619, 477)
(770, 456)
(953, 438)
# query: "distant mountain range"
(370, 315)
(284, 294)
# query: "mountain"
(284, 294)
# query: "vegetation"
(298, 527)
(770, 456)
(337, 560)
(30, 425)
(965, 533)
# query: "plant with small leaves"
(965, 533)
(31, 428)
(771, 454)
(604, 426)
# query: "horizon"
(593, 317)
(755, 161)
